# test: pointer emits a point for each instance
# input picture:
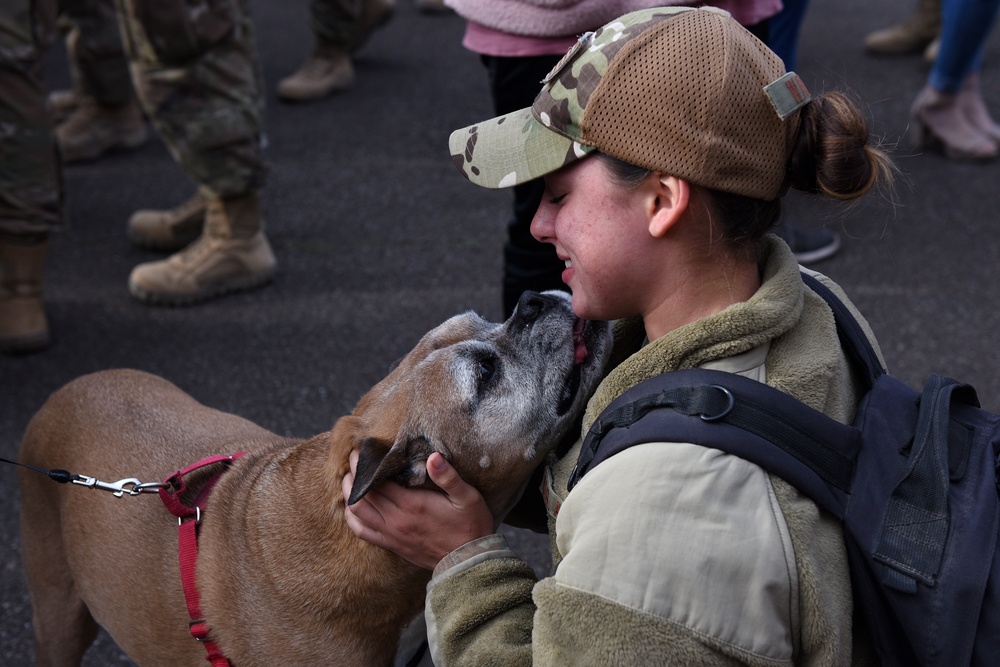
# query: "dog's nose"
(531, 305)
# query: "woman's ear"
(671, 199)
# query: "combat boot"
(913, 34)
(168, 230)
(23, 324)
(94, 129)
(231, 254)
(330, 68)
(327, 70)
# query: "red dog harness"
(188, 520)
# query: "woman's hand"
(417, 524)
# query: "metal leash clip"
(129, 485)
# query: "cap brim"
(511, 149)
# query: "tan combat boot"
(231, 254)
(913, 34)
(23, 324)
(329, 68)
(168, 230)
(93, 129)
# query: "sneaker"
(168, 230)
(208, 268)
(809, 245)
(93, 129)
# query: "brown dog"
(283, 581)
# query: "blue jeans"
(965, 25)
(783, 31)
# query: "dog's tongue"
(579, 347)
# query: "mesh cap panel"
(686, 98)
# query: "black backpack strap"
(852, 336)
(744, 417)
(737, 415)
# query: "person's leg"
(102, 112)
(95, 51)
(341, 27)
(783, 31)
(199, 82)
(950, 110)
(30, 187)
(965, 26)
(528, 263)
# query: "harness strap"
(188, 519)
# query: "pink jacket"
(561, 18)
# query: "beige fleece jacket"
(672, 553)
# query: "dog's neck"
(294, 495)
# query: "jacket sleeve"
(479, 609)
(670, 554)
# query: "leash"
(128, 486)
(188, 522)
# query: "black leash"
(61, 476)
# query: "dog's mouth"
(572, 384)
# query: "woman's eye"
(487, 369)
(558, 199)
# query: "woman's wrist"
(476, 550)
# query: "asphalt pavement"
(379, 239)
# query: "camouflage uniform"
(339, 21)
(195, 69)
(95, 50)
(30, 189)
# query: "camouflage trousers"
(30, 190)
(337, 21)
(196, 72)
(94, 46)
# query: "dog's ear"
(404, 462)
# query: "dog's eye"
(486, 369)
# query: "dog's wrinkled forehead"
(467, 326)
(457, 329)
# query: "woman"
(665, 140)
(519, 41)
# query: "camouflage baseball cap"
(679, 90)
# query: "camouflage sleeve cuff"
(472, 553)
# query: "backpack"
(913, 479)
